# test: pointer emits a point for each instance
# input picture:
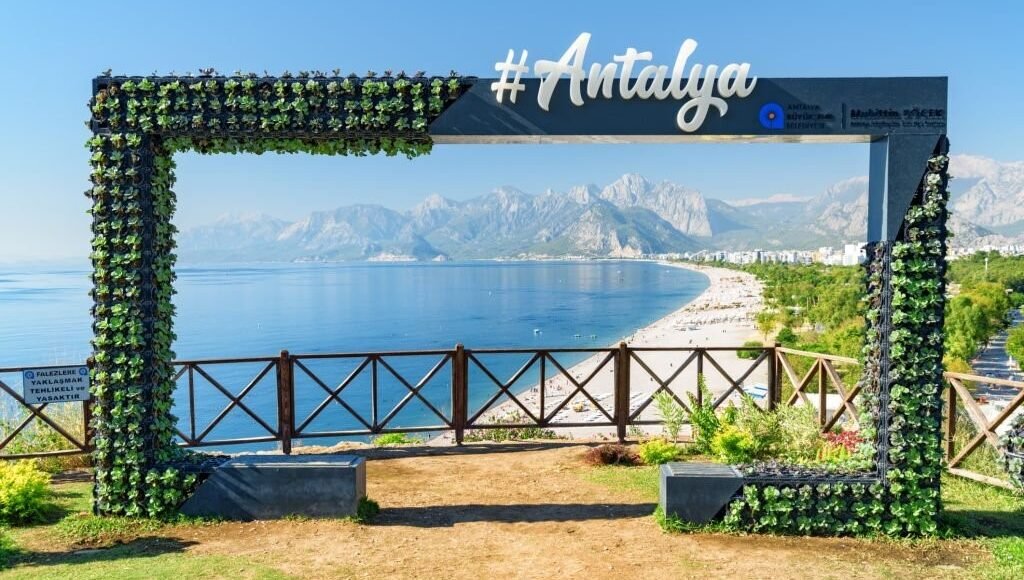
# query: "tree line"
(821, 308)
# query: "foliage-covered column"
(916, 348)
(138, 124)
(897, 492)
(133, 271)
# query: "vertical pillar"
(460, 393)
(133, 273)
(285, 401)
(774, 388)
(621, 391)
(950, 420)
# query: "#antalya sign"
(700, 89)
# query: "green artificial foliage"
(1013, 452)
(138, 124)
(901, 441)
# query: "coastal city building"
(847, 255)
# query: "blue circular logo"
(83, 371)
(30, 375)
(772, 116)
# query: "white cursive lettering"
(702, 88)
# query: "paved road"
(994, 361)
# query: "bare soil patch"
(534, 514)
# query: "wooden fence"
(967, 397)
(474, 393)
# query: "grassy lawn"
(73, 544)
(141, 559)
(974, 512)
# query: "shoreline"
(722, 315)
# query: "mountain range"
(626, 218)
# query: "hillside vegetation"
(819, 308)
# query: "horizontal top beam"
(777, 110)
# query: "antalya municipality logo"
(772, 116)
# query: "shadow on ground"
(445, 450)
(144, 547)
(986, 524)
(449, 515)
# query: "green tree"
(766, 320)
(1015, 344)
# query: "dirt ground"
(535, 514)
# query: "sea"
(257, 310)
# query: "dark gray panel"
(824, 108)
(897, 165)
(261, 487)
(697, 492)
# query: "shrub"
(750, 354)
(703, 419)
(366, 510)
(733, 445)
(499, 434)
(672, 414)
(729, 414)
(801, 435)
(786, 337)
(850, 440)
(392, 439)
(611, 454)
(24, 491)
(764, 428)
(658, 451)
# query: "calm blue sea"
(257, 310)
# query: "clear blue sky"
(52, 50)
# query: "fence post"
(822, 395)
(774, 390)
(87, 413)
(950, 420)
(460, 393)
(285, 401)
(700, 375)
(621, 391)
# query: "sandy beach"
(721, 316)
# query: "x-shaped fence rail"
(14, 425)
(189, 370)
(823, 369)
(475, 394)
(963, 389)
(371, 364)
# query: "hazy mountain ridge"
(628, 217)
(989, 192)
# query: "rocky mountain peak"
(584, 194)
(628, 217)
